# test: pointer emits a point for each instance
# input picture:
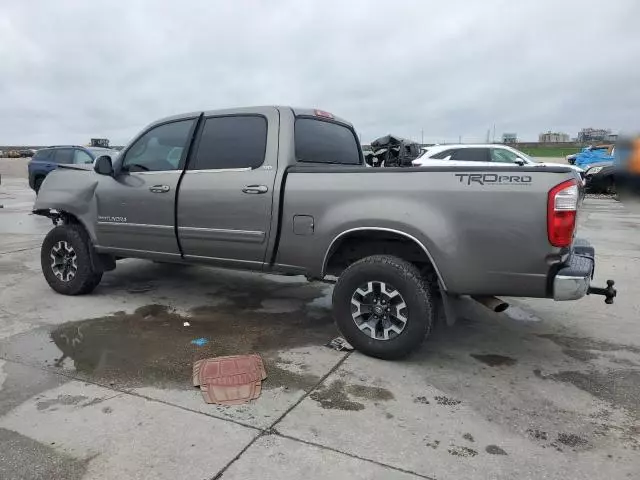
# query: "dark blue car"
(47, 159)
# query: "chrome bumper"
(574, 279)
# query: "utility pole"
(494, 133)
(422, 137)
(488, 135)
(459, 138)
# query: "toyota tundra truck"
(286, 190)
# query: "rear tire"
(609, 186)
(66, 260)
(383, 281)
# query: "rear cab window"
(326, 142)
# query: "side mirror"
(519, 162)
(103, 165)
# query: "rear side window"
(325, 142)
(43, 155)
(471, 154)
(231, 142)
(64, 155)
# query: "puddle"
(450, 402)
(571, 440)
(151, 346)
(577, 343)
(459, 451)
(494, 360)
(337, 395)
(620, 387)
(494, 450)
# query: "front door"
(226, 195)
(136, 209)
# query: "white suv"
(485, 155)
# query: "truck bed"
(485, 230)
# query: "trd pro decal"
(493, 179)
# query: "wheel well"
(355, 246)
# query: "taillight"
(562, 208)
(322, 113)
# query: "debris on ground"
(340, 344)
(231, 380)
(186, 324)
(200, 342)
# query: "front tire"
(65, 258)
(383, 306)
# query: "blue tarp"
(588, 156)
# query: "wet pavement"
(99, 386)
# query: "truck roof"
(297, 111)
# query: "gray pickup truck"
(282, 190)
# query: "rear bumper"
(573, 280)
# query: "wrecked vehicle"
(393, 151)
(281, 190)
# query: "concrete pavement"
(99, 386)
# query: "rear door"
(226, 194)
(136, 209)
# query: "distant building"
(509, 138)
(594, 135)
(553, 137)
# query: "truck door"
(136, 209)
(226, 194)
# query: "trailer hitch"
(609, 292)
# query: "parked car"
(47, 159)
(594, 154)
(601, 178)
(489, 155)
(250, 191)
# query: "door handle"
(255, 189)
(159, 189)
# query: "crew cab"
(284, 190)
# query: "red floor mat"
(229, 380)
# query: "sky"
(436, 71)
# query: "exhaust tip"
(501, 307)
(492, 303)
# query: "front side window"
(80, 157)
(64, 155)
(325, 142)
(504, 156)
(471, 154)
(155, 150)
(231, 142)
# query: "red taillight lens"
(322, 113)
(562, 208)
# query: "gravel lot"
(99, 386)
